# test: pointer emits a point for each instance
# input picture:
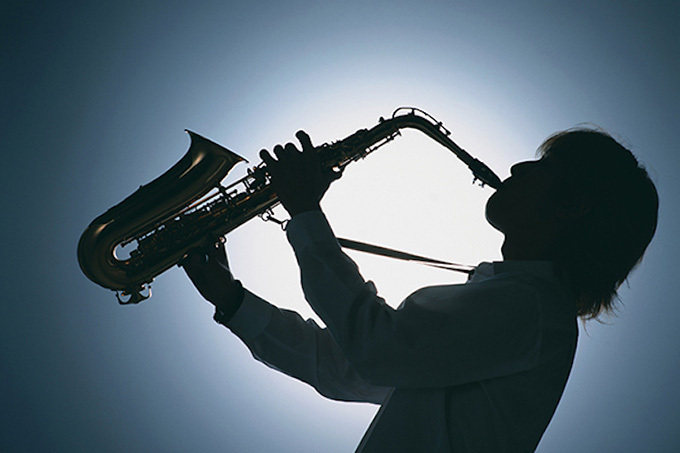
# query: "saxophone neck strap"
(396, 254)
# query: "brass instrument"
(177, 211)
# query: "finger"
(212, 253)
(202, 273)
(221, 248)
(198, 268)
(291, 149)
(267, 158)
(305, 141)
(279, 152)
(194, 266)
(310, 154)
(193, 260)
(333, 175)
(218, 252)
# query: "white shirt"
(475, 367)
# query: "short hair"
(602, 246)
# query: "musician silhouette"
(474, 367)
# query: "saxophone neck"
(427, 124)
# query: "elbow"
(378, 361)
(370, 338)
(375, 372)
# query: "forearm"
(282, 340)
(358, 319)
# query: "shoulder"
(515, 297)
(499, 292)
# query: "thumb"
(216, 251)
(332, 174)
(194, 265)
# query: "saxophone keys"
(136, 295)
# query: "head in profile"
(588, 205)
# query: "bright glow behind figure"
(98, 97)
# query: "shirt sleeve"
(439, 336)
(282, 340)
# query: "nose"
(521, 168)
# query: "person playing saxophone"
(474, 367)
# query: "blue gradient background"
(95, 97)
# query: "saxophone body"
(178, 211)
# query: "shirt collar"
(544, 269)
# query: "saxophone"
(175, 213)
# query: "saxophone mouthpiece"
(485, 175)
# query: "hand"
(297, 177)
(208, 269)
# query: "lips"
(504, 183)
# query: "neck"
(535, 248)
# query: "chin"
(493, 211)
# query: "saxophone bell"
(159, 218)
